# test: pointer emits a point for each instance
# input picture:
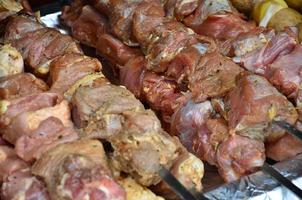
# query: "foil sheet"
(257, 186)
(260, 186)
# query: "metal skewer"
(178, 188)
(289, 128)
(282, 179)
(273, 172)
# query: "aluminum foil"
(258, 186)
(53, 21)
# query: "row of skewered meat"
(51, 133)
(218, 90)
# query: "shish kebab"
(85, 78)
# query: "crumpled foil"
(257, 186)
(260, 186)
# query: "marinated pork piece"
(35, 132)
(182, 170)
(19, 26)
(13, 107)
(210, 140)
(167, 41)
(285, 72)
(66, 70)
(20, 85)
(38, 46)
(114, 50)
(180, 9)
(135, 191)
(218, 19)
(146, 17)
(285, 148)
(132, 75)
(26, 122)
(161, 93)
(85, 22)
(188, 119)
(220, 26)
(8, 8)
(254, 103)
(11, 61)
(214, 76)
(23, 185)
(121, 19)
(239, 156)
(92, 28)
(143, 148)
(210, 135)
(78, 170)
(9, 162)
(103, 103)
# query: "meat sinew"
(78, 170)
